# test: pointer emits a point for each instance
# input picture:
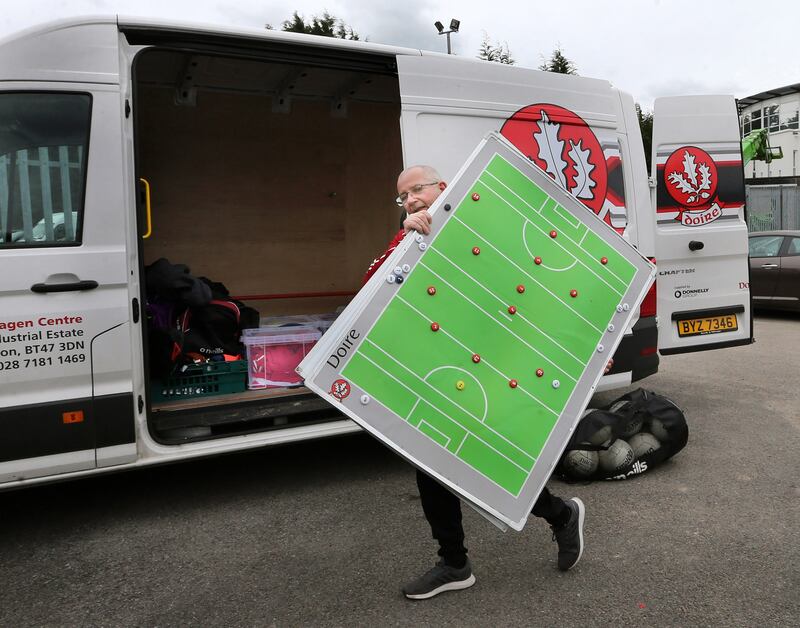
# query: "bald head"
(418, 187)
(428, 172)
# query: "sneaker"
(439, 579)
(570, 536)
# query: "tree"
(495, 52)
(326, 25)
(646, 126)
(558, 63)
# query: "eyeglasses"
(400, 200)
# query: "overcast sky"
(648, 48)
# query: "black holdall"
(630, 436)
(191, 319)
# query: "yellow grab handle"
(146, 184)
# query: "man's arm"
(378, 261)
(419, 221)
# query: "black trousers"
(443, 511)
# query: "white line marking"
(543, 265)
(470, 375)
(556, 242)
(556, 209)
(544, 335)
(500, 436)
(487, 363)
(531, 277)
(505, 315)
(414, 407)
(423, 421)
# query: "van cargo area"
(275, 178)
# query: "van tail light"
(649, 305)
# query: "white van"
(267, 161)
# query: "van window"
(44, 139)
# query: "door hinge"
(140, 404)
(135, 307)
(127, 108)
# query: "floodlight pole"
(454, 24)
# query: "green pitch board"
(474, 350)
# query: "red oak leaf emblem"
(340, 389)
(562, 144)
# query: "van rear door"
(701, 233)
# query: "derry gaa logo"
(562, 144)
(691, 178)
(340, 389)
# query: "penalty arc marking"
(543, 265)
(524, 454)
(489, 364)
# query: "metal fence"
(40, 185)
(772, 207)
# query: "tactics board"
(474, 350)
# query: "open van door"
(701, 232)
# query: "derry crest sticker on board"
(691, 178)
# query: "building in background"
(773, 195)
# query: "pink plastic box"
(273, 353)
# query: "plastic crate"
(202, 380)
(317, 321)
(273, 353)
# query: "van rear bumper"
(638, 352)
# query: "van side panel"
(63, 52)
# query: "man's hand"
(418, 221)
(609, 366)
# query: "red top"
(378, 261)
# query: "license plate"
(707, 325)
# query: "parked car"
(775, 269)
(40, 230)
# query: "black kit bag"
(214, 330)
(630, 436)
(209, 331)
(191, 319)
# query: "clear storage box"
(319, 321)
(273, 353)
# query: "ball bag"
(650, 425)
